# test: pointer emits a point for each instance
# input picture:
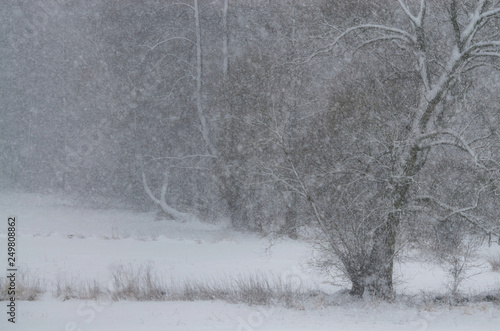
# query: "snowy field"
(58, 242)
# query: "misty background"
(201, 109)
(89, 98)
(366, 126)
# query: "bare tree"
(225, 40)
(383, 173)
(164, 51)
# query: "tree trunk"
(378, 277)
(199, 84)
(161, 202)
(225, 41)
(358, 287)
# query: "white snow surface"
(58, 240)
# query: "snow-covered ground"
(58, 241)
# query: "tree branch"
(403, 35)
(167, 40)
(459, 143)
(417, 20)
(462, 212)
(456, 26)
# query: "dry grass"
(28, 286)
(138, 284)
(143, 284)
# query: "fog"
(357, 124)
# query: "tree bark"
(225, 41)
(378, 277)
(199, 84)
(358, 287)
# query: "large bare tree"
(412, 116)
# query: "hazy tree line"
(366, 125)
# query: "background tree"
(258, 88)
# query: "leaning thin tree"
(194, 72)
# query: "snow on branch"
(395, 33)
(479, 18)
(176, 4)
(384, 38)
(151, 158)
(458, 142)
(482, 45)
(161, 202)
(417, 20)
(495, 12)
(489, 49)
(488, 54)
(462, 212)
(167, 40)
